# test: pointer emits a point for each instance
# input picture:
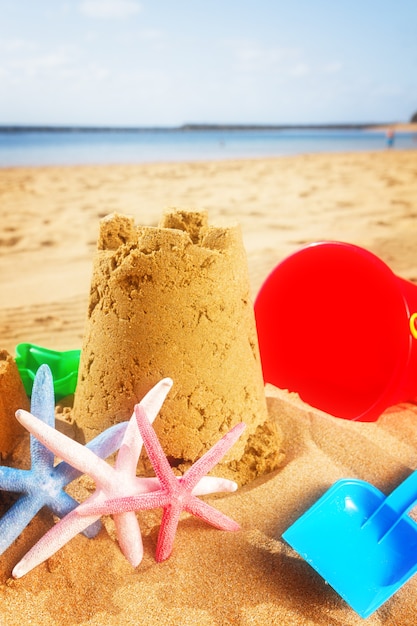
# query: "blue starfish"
(43, 485)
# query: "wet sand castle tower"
(174, 300)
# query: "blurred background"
(160, 63)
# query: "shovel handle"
(396, 505)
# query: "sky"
(170, 62)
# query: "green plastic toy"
(63, 365)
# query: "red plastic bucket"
(337, 326)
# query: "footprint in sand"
(10, 242)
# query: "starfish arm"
(67, 449)
(167, 531)
(156, 455)
(171, 518)
(128, 455)
(114, 506)
(212, 484)
(154, 399)
(15, 520)
(132, 443)
(93, 529)
(146, 485)
(15, 480)
(52, 541)
(109, 441)
(105, 444)
(212, 516)
(204, 464)
(207, 485)
(43, 406)
(41, 457)
(63, 504)
(42, 402)
(129, 537)
(156, 498)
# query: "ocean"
(29, 147)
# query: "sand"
(49, 230)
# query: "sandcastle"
(12, 397)
(174, 300)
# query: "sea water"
(19, 147)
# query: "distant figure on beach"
(390, 135)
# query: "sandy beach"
(50, 220)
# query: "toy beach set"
(174, 360)
(344, 327)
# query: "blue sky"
(169, 62)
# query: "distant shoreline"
(71, 145)
(17, 128)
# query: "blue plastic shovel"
(361, 542)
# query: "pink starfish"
(111, 482)
(176, 494)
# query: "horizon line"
(190, 127)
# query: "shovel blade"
(364, 569)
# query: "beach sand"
(50, 219)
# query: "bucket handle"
(413, 327)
